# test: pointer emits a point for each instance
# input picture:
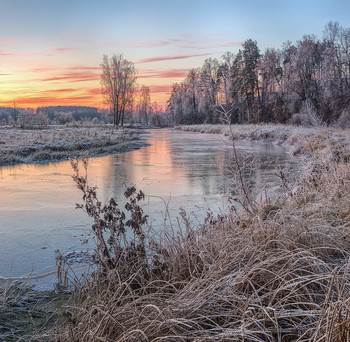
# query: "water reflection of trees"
(213, 170)
(187, 165)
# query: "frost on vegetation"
(344, 119)
(329, 142)
(21, 146)
(308, 115)
(273, 274)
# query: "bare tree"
(118, 85)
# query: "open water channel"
(189, 170)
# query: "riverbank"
(26, 314)
(276, 272)
(326, 142)
(60, 143)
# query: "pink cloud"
(202, 42)
(65, 90)
(41, 70)
(83, 67)
(185, 41)
(6, 53)
(9, 41)
(73, 77)
(160, 89)
(65, 50)
(212, 45)
(149, 44)
(94, 91)
(171, 73)
(68, 69)
(49, 100)
(157, 88)
(228, 44)
(168, 58)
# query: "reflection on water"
(37, 202)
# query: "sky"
(51, 50)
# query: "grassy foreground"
(26, 315)
(57, 143)
(280, 273)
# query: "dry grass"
(57, 143)
(280, 274)
(331, 142)
(26, 315)
(253, 132)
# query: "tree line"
(126, 101)
(307, 82)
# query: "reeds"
(280, 273)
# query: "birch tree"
(118, 86)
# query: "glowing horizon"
(50, 51)
(44, 83)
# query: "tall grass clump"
(28, 315)
(276, 272)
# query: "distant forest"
(66, 109)
(60, 115)
(304, 83)
(77, 113)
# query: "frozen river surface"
(189, 170)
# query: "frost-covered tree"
(280, 85)
(118, 81)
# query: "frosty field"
(56, 143)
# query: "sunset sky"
(50, 51)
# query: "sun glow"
(68, 88)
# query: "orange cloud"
(73, 77)
(66, 69)
(94, 91)
(83, 67)
(39, 101)
(64, 90)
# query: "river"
(189, 170)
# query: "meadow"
(277, 271)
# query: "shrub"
(32, 121)
(308, 115)
(344, 119)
